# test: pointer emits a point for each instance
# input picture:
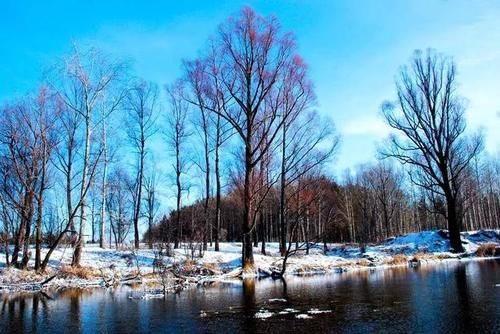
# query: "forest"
(233, 150)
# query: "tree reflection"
(249, 306)
(463, 297)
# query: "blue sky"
(354, 49)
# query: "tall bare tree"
(196, 80)
(47, 112)
(85, 84)
(151, 200)
(177, 135)
(428, 118)
(206, 92)
(142, 102)
(312, 144)
(25, 149)
(255, 57)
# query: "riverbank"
(110, 267)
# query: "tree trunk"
(83, 218)
(262, 233)
(102, 242)
(150, 225)
(26, 250)
(69, 188)
(283, 225)
(178, 214)
(38, 251)
(217, 188)
(137, 209)
(247, 249)
(7, 235)
(454, 225)
(207, 184)
(19, 239)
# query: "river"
(450, 297)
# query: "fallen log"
(234, 273)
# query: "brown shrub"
(488, 249)
(80, 272)
(396, 260)
(363, 262)
(421, 256)
(430, 256)
(188, 267)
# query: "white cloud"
(366, 126)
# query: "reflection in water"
(447, 298)
(248, 304)
(462, 292)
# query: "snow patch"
(263, 314)
(303, 316)
(277, 300)
(318, 311)
(290, 310)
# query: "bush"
(363, 263)
(488, 249)
(80, 272)
(396, 260)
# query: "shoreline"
(151, 282)
(180, 268)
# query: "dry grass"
(79, 272)
(13, 276)
(188, 268)
(421, 256)
(310, 268)
(488, 249)
(134, 273)
(430, 256)
(212, 268)
(190, 262)
(396, 260)
(363, 262)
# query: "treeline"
(371, 203)
(239, 133)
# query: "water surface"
(454, 297)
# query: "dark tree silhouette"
(428, 117)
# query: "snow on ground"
(100, 266)
(431, 242)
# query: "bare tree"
(20, 166)
(195, 80)
(206, 92)
(142, 102)
(118, 204)
(385, 182)
(255, 57)
(429, 121)
(85, 83)
(104, 180)
(152, 204)
(312, 144)
(47, 112)
(6, 222)
(177, 135)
